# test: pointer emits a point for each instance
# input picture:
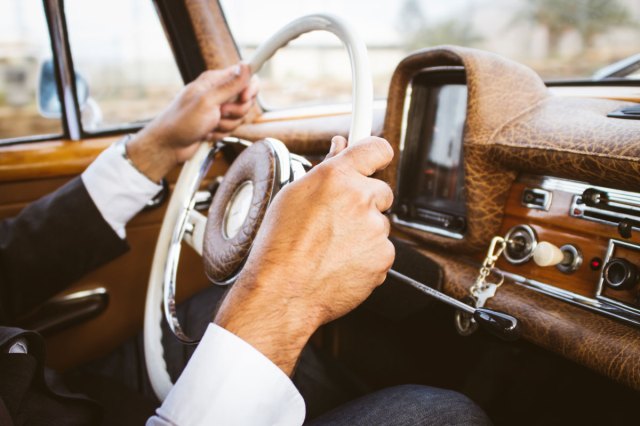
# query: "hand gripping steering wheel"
(224, 238)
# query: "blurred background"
(120, 51)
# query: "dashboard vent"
(621, 210)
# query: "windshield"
(560, 39)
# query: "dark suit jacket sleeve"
(49, 245)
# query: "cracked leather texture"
(499, 91)
(214, 38)
(224, 256)
(573, 138)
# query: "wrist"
(150, 155)
(273, 325)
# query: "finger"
(338, 144)
(386, 254)
(368, 156)
(228, 125)
(235, 110)
(385, 225)
(226, 84)
(215, 136)
(381, 194)
(251, 91)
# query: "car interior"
(516, 221)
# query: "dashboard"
(487, 150)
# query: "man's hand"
(208, 108)
(322, 248)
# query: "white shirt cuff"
(118, 190)
(229, 382)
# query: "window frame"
(176, 23)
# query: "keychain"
(483, 288)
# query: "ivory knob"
(547, 254)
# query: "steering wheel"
(224, 237)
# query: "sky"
(252, 21)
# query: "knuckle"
(330, 172)
(388, 195)
(387, 225)
(206, 101)
(384, 150)
(388, 255)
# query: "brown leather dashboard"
(516, 129)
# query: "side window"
(313, 69)
(25, 51)
(123, 59)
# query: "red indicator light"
(577, 212)
(596, 263)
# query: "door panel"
(30, 171)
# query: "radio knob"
(620, 274)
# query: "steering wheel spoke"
(194, 228)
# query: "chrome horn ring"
(191, 225)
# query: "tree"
(418, 33)
(589, 18)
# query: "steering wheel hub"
(239, 206)
(237, 210)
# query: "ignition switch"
(521, 242)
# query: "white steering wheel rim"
(361, 123)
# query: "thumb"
(226, 84)
(338, 144)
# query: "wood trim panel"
(41, 160)
(558, 227)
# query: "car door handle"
(66, 311)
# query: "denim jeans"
(407, 405)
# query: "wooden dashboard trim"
(40, 160)
(305, 131)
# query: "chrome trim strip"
(583, 208)
(577, 188)
(426, 228)
(599, 306)
(98, 291)
(65, 71)
(610, 249)
(283, 159)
